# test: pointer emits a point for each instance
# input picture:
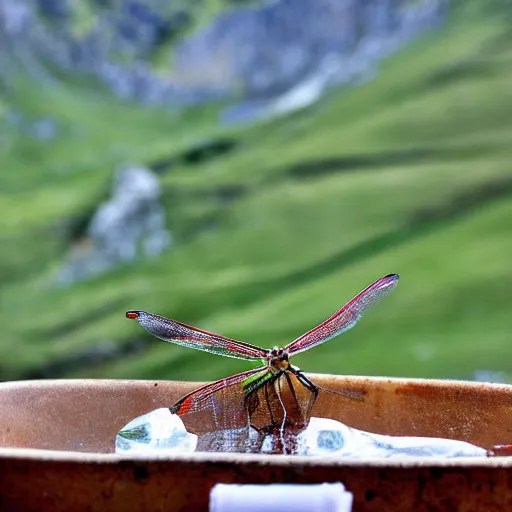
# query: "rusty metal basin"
(57, 442)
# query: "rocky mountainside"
(161, 52)
(269, 48)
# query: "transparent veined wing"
(219, 405)
(198, 399)
(192, 337)
(346, 317)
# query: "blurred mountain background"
(248, 167)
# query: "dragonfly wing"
(192, 337)
(219, 405)
(345, 318)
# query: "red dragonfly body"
(273, 397)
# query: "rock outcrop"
(130, 224)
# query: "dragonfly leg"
(304, 380)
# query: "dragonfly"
(272, 397)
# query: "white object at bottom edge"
(268, 498)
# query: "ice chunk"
(237, 440)
(157, 431)
(161, 432)
(328, 437)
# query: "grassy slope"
(409, 173)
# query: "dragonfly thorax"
(278, 358)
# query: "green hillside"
(410, 173)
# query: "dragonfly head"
(278, 358)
